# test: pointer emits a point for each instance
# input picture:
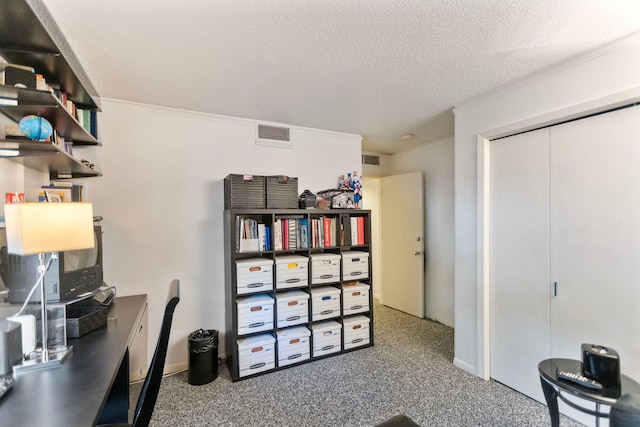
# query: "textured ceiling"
(379, 68)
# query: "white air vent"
(368, 159)
(273, 136)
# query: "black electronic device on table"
(71, 275)
(601, 364)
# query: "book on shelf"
(293, 233)
(277, 235)
(251, 236)
(360, 230)
(353, 223)
(263, 237)
(285, 233)
(326, 226)
(303, 233)
(8, 101)
(63, 193)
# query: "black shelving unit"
(29, 36)
(343, 244)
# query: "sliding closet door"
(595, 236)
(519, 259)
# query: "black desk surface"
(74, 393)
(608, 396)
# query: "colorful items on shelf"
(352, 182)
(35, 127)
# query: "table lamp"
(38, 228)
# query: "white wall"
(161, 197)
(371, 201)
(436, 163)
(11, 178)
(603, 73)
(377, 171)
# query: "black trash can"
(203, 356)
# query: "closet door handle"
(555, 289)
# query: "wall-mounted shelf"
(45, 104)
(46, 157)
(30, 36)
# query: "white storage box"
(325, 268)
(356, 331)
(292, 271)
(293, 345)
(325, 303)
(254, 275)
(256, 354)
(327, 338)
(355, 265)
(355, 297)
(255, 313)
(292, 308)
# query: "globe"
(35, 127)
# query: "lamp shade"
(34, 228)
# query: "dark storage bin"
(85, 316)
(244, 191)
(282, 192)
(203, 356)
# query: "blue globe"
(35, 127)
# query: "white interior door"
(402, 243)
(595, 236)
(519, 259)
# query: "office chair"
(399, 421)
(151, 386)
(626, 411)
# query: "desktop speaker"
(10, 345)
(602, 364)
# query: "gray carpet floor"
(408, 371)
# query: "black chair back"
(151, 385)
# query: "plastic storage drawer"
(355, 265)
(294, 345)
(356, 331)
(292, 308)
(292, 271)
(255, 313)
(327, 338)
(256, 354)
(325, 268)
(355, 298)
(325, 303)
(254, 275)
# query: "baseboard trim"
(465, 366)
(175, 368)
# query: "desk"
(553, 388)
(95, 376)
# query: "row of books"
(298, 232)
(61, 192)
(27, 77)
(291, 233)
(86, 118)
(252, 236)
(357, 230)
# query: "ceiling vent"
(273, 136)
(368, 159)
